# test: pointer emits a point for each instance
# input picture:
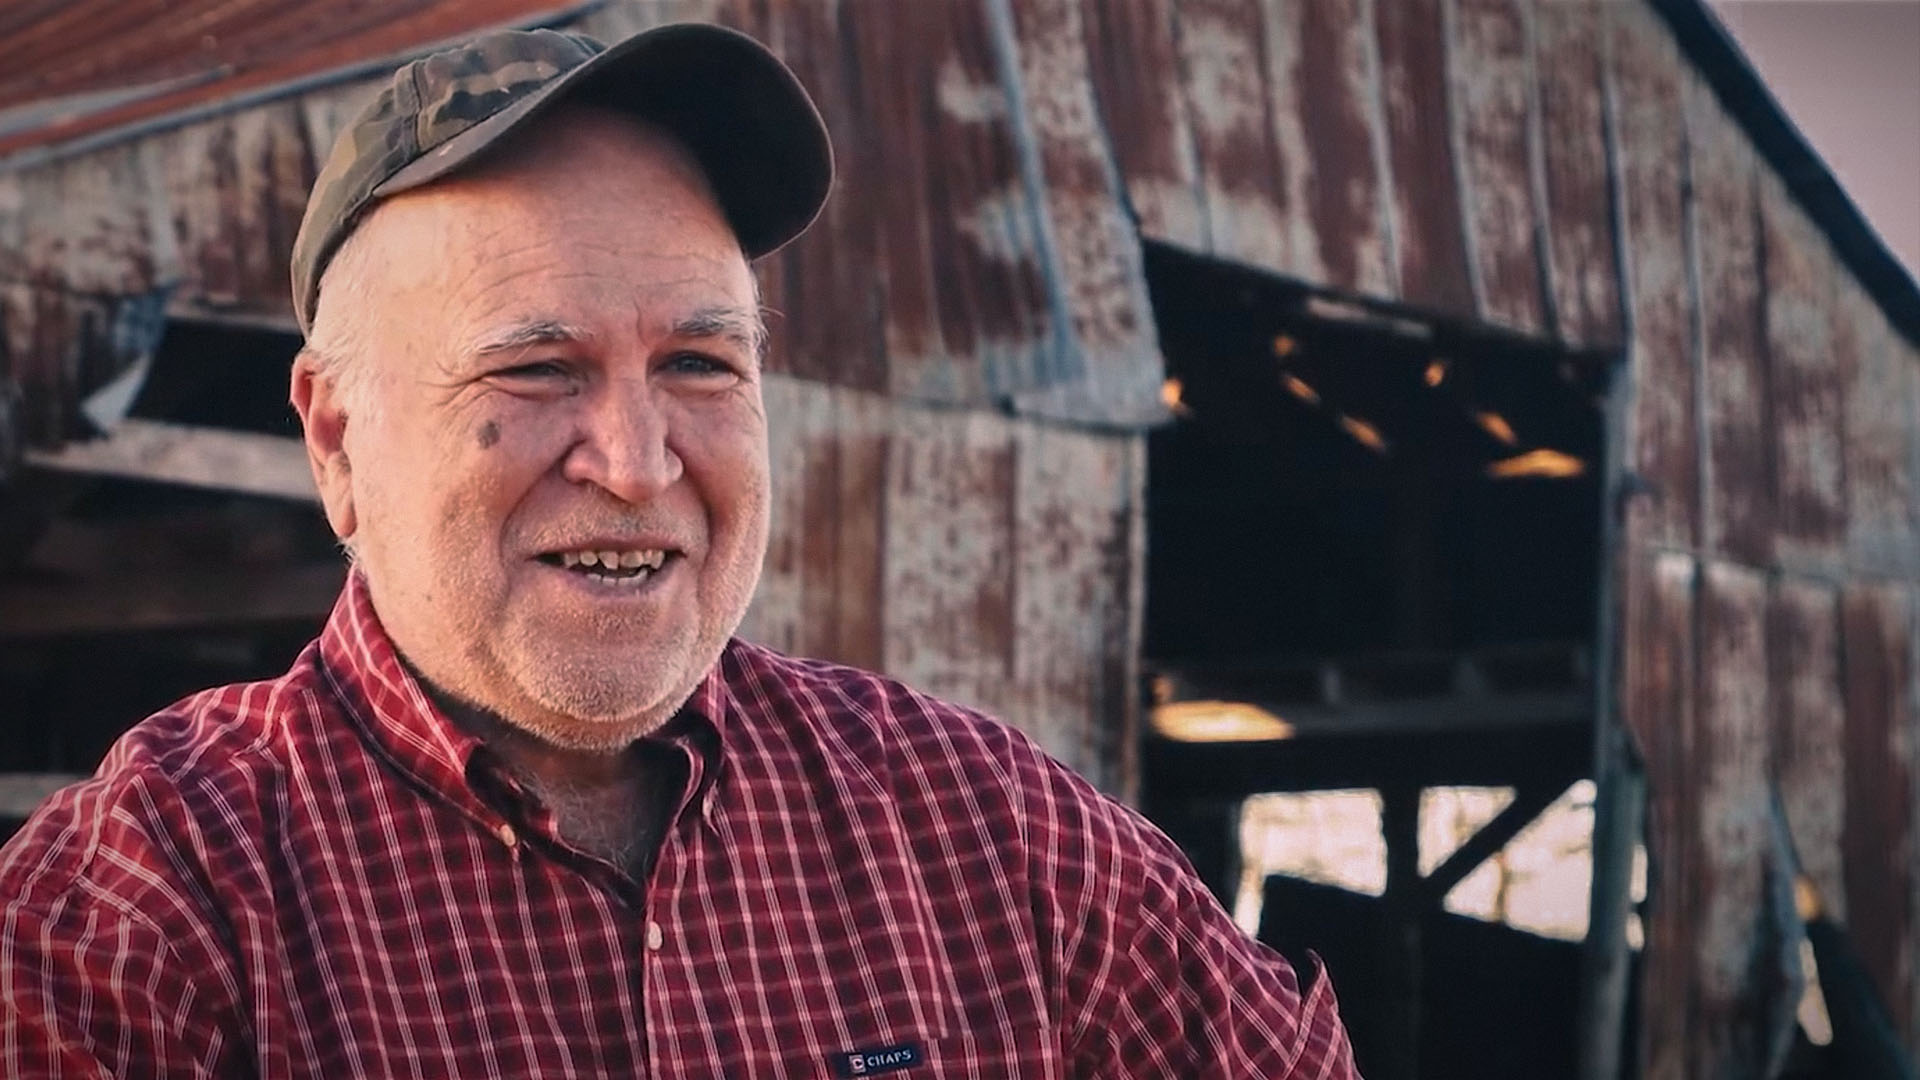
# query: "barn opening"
(126, 586)
(1374, 552)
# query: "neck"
(611, 804)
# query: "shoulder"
(181, 782)
(947, 762)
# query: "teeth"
(633, 559)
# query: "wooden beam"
(176, 600)
(205, 457)
(1527, 804)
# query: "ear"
(323, 420)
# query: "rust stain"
(1882, 437)
(1224, 64)
(950, 536)
(1573, 138)
(1430, 239)
(1493, 79)
(1738, 488)
(1809, 720)
(1737, 954)
(833, 268)
(1659, 705)
(1135, 71)
(1344, 197)
(1804, 384)
(202, 51)
(1880, 837)
(1652, 155)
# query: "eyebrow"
(516, 337)
(742, 326)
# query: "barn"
(1238, 395)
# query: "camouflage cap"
(736, 107)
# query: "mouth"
(627, 568)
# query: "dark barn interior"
(124, 595)
(1383, 533)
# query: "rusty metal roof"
(80, 68)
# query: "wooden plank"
(158, 452)
(1882, 424)
(1334, 94)
(1650, 167)
(1135, 67)
(949, 620)
(1429, 236)
(1493, 80)
(1881, 840)
(1568, 45)
(1738, 482)
(1805, 384)
(1659, 706)
(181, 599)
(1734, 980)
(1809, 720)
(1223, 67)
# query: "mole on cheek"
(489, 434)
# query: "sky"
(1848, 73)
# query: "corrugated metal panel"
(1882, 425)
(1805, 384)
(1809, 727)
(1222, 64)
(1335, 94)
(1429, 241)
(1736, 984)
(1109, 368)
(1133, 58)
(1495, 88)
(1737, 486)
(1650, 169)
(1882, 836)
(193, 52)
(1659, 705)
(1568, 43)
(989, 560)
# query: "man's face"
(556, 481)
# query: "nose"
(624, 445)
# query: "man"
(526, 808)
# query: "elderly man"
(526, 808)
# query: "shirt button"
(656, 937)
(506, 834)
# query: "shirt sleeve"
(1183, 992)
(90, 990)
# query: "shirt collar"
(394, 714)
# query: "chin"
(588, 707)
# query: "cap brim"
(735, 106)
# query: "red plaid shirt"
(320, 876)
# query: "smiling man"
(527, 808)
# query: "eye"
(692, 363)
(535, 369)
